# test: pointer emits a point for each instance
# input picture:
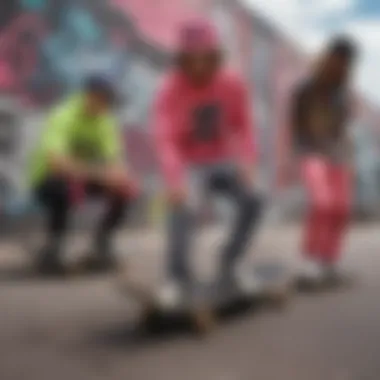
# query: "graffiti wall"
(48, 46)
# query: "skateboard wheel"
(149, 320)
(75, 271)
(203, 321)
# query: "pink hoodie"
(202, 125)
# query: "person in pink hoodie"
(203, 125)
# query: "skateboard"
(153, 314)
(206, 302)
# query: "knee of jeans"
(252, 205)
(179, 214)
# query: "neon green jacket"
(71, 133)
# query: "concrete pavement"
(81, 329)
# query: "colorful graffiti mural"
(46, 46)
(46, 49)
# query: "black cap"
(102, 85)
(343, 46)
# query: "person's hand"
(119, 180)
(132, 186)
(113, 178)
(247, 175)
(67, 167)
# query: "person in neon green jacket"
(80, 154)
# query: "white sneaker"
(247, 281)
(310, 270)
(170, 295)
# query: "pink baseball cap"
(197, 35)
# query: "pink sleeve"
(168, 153)
(245, 142)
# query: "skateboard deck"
(207, 301)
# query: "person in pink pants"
(321, 112)
(203, 128)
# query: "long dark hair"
(341, 47)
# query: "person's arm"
(350, 114)
(114, 171)
(245, 139)
(168, 153)
(113, 144)
(294, 122)
(296, 105)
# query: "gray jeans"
(221, 180)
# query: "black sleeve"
(296, 112)
(347, 112)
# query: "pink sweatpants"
(329, 188)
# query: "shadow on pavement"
(129, 338)
(18, 274)
(133, 335)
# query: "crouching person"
(203, 125)
(80, 155)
